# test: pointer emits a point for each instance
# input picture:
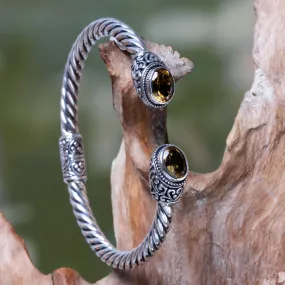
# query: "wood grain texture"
(229, 226)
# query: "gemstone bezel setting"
(163, 167)
(177, 161)
(165, 188)
(150, 83)
(143, 67)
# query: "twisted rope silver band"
(124, 37)
(72, 152)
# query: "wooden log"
(229, 226)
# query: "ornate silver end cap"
(154, 83)
(168, 173)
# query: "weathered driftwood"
(229, 226)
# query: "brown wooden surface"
(229, 227)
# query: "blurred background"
(35, 38)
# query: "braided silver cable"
(124, 37)
(73, 158)
(99, 243)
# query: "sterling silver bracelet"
(168, 166)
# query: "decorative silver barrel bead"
(153, 81)
(72, 158)
(168, 173)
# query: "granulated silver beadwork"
(72, 151)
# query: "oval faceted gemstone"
(162, 85)
(175, 162)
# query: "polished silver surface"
(72, 150)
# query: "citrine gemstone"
(175, 162)
(162, 85)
